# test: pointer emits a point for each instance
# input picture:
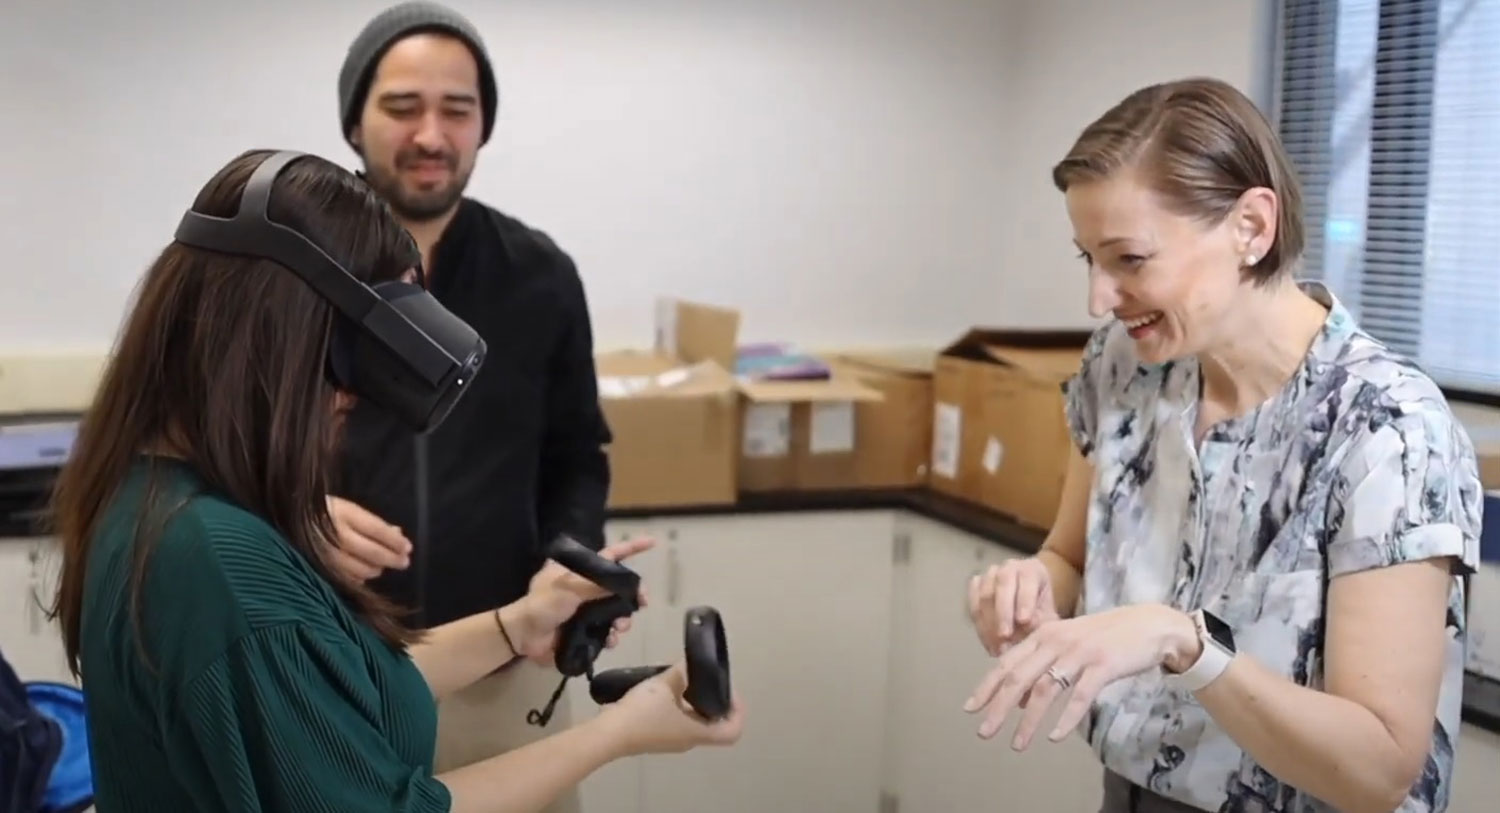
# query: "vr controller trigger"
(611, 685)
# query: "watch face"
(1218, 631)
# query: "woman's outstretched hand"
(653, 717)
(1084, 655)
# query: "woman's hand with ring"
(1084, 654)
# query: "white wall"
(1075, 60)
(845, 171)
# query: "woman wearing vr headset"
(226, 663)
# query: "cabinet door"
(935, 759)
(16, 619)
(28, 580)
(806, 603)
(1474, 778)
(616, 788)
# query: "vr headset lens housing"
(381, 375)
(394, 344)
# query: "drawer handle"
(674, 577)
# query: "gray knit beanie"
(393, 24)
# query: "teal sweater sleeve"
(276, 724)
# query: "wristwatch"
(1218, 651)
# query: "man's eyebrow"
(413, 96)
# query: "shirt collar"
(1338, 326)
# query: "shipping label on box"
(947, 438)
(832, 428)
(768, 430)
(800, 434)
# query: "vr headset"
(393, 344)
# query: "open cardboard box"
(689, 432)
(1000, 436)
(674, 411)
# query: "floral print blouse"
(1357, 463)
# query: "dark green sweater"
(264, 692)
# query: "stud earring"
(1251, 260)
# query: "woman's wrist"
(1181, 647)
(609, 729)
(514, 625)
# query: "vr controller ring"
(707, 652)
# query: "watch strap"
(1212, 660)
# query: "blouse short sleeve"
(1407, 490)
(275, 725)
(1081, 393)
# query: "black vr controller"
(582, 639)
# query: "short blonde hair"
(1202, 144)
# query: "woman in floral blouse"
(1252, 598)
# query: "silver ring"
(1062, 679)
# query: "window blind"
(1391, 111)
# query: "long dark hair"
(223, 360)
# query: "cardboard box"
(1000, 437)
(801, 435)
(696, 331)
(674, 411)
(1484, 433)
(895, 433)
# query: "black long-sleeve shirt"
(521, 457)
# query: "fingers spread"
(1016, 673)
(989, 685)
(1045, 691)
(1086, 686)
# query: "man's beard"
(416, 207)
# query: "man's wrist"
(1182, 645)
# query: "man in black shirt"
(521, 458)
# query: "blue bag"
(30, 744)
(44, 747)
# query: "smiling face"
(1173, 280)
(422, 124)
